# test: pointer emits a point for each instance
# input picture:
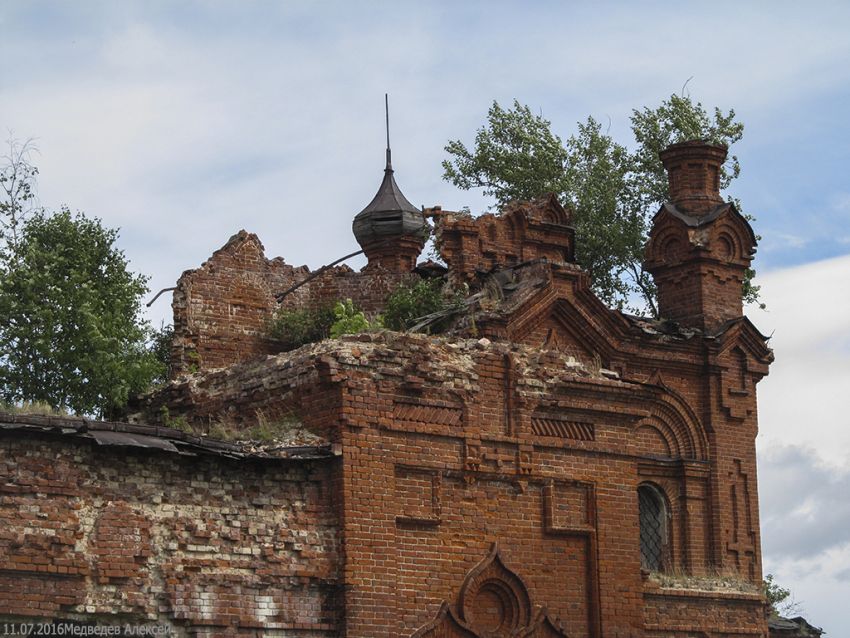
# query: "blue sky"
(183, 122)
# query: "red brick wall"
(539, 229)
(452, 461)
(682, 614)
(448, 447)
(202, 544)
(451, 446)
(222, 309)
(480, 480)
(699, 248)
(518, 459)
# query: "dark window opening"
(653, 529)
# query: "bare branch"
(18, 182)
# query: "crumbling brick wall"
(539, 229)
(207, 546)
(485, 486)
(222, 309)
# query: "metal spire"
(389, 153)
(389, 197)
(390, 213)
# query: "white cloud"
(805, 513)
(806, 305)
(820, 587)
(806, 531)
(783, 241)
(804, 440)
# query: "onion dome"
(391, 230)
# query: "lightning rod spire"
(387, 111)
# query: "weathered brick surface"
(222, 309)
(539, 229)
(203, 545)
(682, 614)
(699, 247)
(451, 446)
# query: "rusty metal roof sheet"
(156, 437)
(695, 221)
(105, 437)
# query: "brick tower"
(700, 246)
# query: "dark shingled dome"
(389, 214)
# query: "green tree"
(70, 328)
(611, 227)
(516, 157)
(613, 191)
(159, 344)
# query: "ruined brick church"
(544, 466)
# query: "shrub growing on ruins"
(348, 319)
(294, 328)
(412, 301)
(780, 601)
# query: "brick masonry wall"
(485, 486)
(208, 546)
(488, 447)
(714, 380)
(539, 229)
(450, 446)
(682, 614)
(222, 309)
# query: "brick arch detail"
(669, 408)
(492, 577)
(567, 316)
(668, 243)
(514, 616)
(650, 435)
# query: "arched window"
(654, 534)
